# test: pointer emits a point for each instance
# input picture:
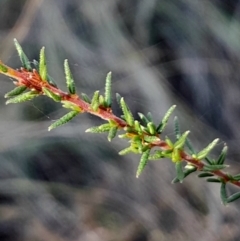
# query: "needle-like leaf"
(95, 101)
(143, 162)
(22, 97)
(100, 129)
(69, 78)
(202, 154)
(16, 91)
(108, 90)
(223, 193)
(222, 156)
(165, 119)
(43, 65)
(112, 133)
(179, 170)
(126, 112)
(23, 57)
(51, 94)
(63, 120)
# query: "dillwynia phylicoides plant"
(145, 137)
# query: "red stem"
(32, 80)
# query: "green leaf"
(16, 91)
(122, 116)
(69, 78)
(165, 119)
(143, 162)
(213, 180)
(151, 139)
(209, 161)
(175, 180)
(102, 101)
(205, 174)
(151, 128)
(202, 154)
(50, 80)
(113, 122)
(22, 97)
(86, 98)
(51, 94)
(150, 117)
(233, 197)
(24, 59)
(186, 173)
(95, 101)
(177, 128)
(144, 129)
(43, 65)
(144, 148)
(189, 171)
(214, 167)
(222, 156)
(144, 119)
(176, 155)
(124, 136)
(36, 64)
(69, 105)
(112, 133)
(118, 98)
(181, 141)
(169, 142)
(63, 120)
(236, 177)
(136, 144)
(3, 69)
(190, 147)
(100, 129)
(135, 138)
(179, 170)
(126, 151)
(160, 154)
(157, 155)
(108, 90)
(126, 112)
(223, 193)
(137, 127)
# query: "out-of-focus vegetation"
(53, 186)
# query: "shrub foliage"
(145, 137)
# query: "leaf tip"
(65, 62)
(109, 74)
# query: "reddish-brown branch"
(200, 165)
(32, 80)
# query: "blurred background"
(70, 185)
